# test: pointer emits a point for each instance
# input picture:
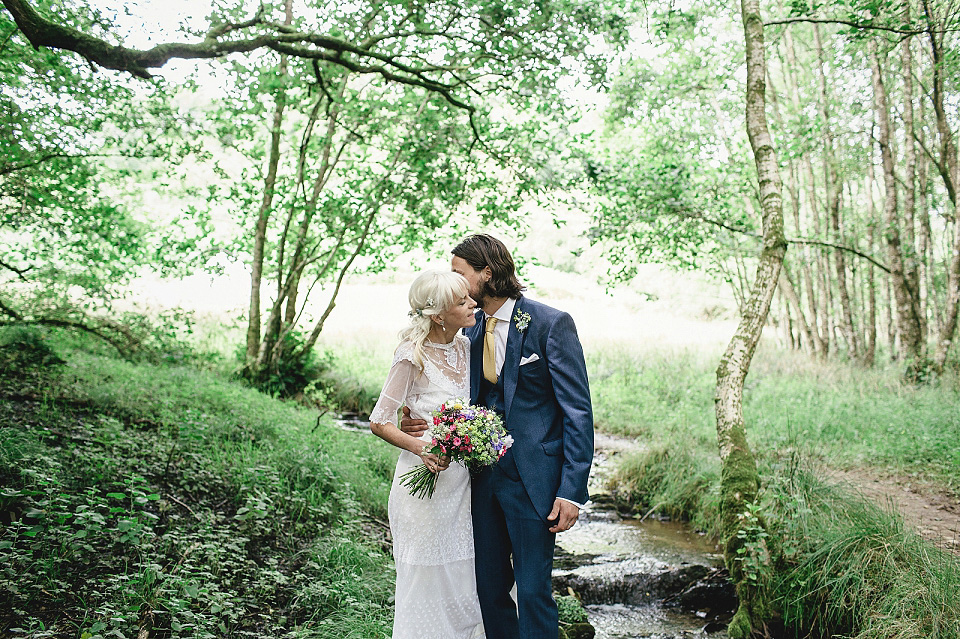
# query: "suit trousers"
(506, 524)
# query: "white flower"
(522, 320)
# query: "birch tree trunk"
(870, 323)
(908, 323)
(739, 478)
(790, 294)
(928, 304)
(910, 262)
(833, 188)
(949, 168)
(818, 322)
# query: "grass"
(845, 567)
(169, 498)
(172, 500)
(854, 568)
(840, 414)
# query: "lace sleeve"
(399, 380)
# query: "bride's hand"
(434, 463)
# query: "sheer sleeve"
(399, 381)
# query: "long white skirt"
(433, 549)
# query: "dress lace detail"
(432, 538)
(445, 375)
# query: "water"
(607, 549)
(354, 422)
(653, 621)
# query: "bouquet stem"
(420, 481)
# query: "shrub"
(25, 349)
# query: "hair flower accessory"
(418, 312)
(522, 320)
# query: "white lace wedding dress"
(432, 537)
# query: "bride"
(436, 594)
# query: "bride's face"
(460, 315)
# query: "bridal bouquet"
(471, 435)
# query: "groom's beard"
(484, 294)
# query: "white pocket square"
(526, 360)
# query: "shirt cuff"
(580, 506)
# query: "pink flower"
(456, 441)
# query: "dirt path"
(934, 514)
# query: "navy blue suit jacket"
(547, 401)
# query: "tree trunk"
(870, 324)
(263, 217)
(833, 188)
(811, 331)
(826, 297)
(910, 262)
(908, 324)
(286, 307)
(819, 317)
(890, 321)
(739, 478)
(949, 168)
(928, 305)
(790, 293)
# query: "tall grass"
(834, 412)
(854, 568)
(846, 567)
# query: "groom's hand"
(564, 514)
(415, 427)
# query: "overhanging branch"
(866, 26)
(743, 231)
(44, 32)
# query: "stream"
(640, 578)
(637, 578)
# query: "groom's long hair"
(483, 250)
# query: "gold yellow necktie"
(490, 352)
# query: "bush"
(288, 375)
(161, 500)
(24, 349)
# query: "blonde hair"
(432, 293)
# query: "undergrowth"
(171, 501)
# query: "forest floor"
(933, 512)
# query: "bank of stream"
(638, 577)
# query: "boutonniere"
(522, 320)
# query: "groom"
(527, 364)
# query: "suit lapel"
(475, 333)
(511, 360)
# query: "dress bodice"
(445, 374)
